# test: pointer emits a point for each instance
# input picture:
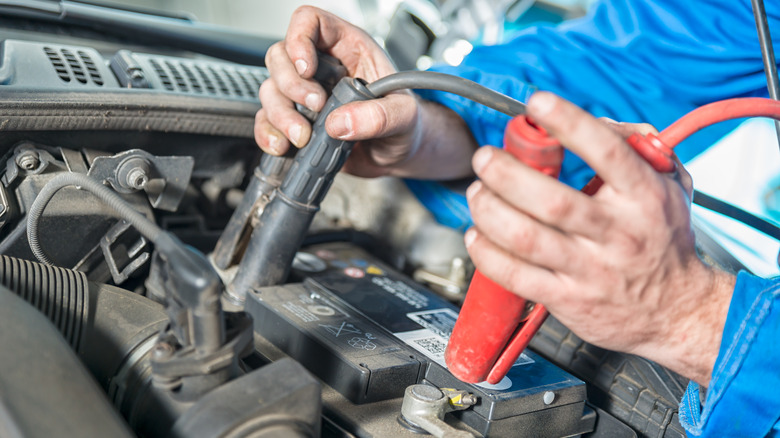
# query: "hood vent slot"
(70, 66)
(58, 64)
(208, 78)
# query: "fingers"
(311, 29)
(280, 113)
(519, 234)
(626, 129)
(513, 274)
(305, 34)
(289, 82)
(601, 147)
(540, 196)
(361, 163)
(377, 118)
(269, 139)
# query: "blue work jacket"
(648, 61)
(743, 398)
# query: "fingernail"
(301, 66)
(274, 143)
(541, 103)
(473, 189)
(313, 101)
(469, 237)
(294, 134)
(341, 125)
(481, 158)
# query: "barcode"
(432, 345)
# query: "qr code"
(431, 345)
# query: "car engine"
(130, 194)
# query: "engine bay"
(350, 343)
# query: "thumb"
(378, 118)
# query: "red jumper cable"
(496, 325)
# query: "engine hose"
(146, 227)
(452, 84)
(717, 112)
(60, 294)
(702, 117)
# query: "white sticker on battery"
(426, 342)
(439, 321)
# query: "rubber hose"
(146, 227)
(717, 112)
(428, 80)
(703, 117)
(60, 294)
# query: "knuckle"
(305, 10)
(631, 245)
(267, 89)
(594, 219)
(278, 118)
(614, 151)
(656, 195)
(646, 128)
(557, 206)
(523, 239)
(513, 279)
(272, 53)
(378, 118)
(260, 117)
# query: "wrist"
(441, 146)
(689, 338)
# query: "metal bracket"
(164, 179)
(135, 253)
(26, 160)
(170, 364)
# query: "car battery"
(369, 332)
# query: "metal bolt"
(469, 399)
(548, 397)
(137, 178)
(28, 160)
(162, 350)
(136, 74)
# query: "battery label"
(432, 345)
(401, 291)
(300, 312)
(426, 342)
(439, 321)
(334, 325)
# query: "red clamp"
(495, 325)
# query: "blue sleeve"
(631, 60)
(742, 399)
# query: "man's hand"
(292, 64)
(619, 268)
(392, 140)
